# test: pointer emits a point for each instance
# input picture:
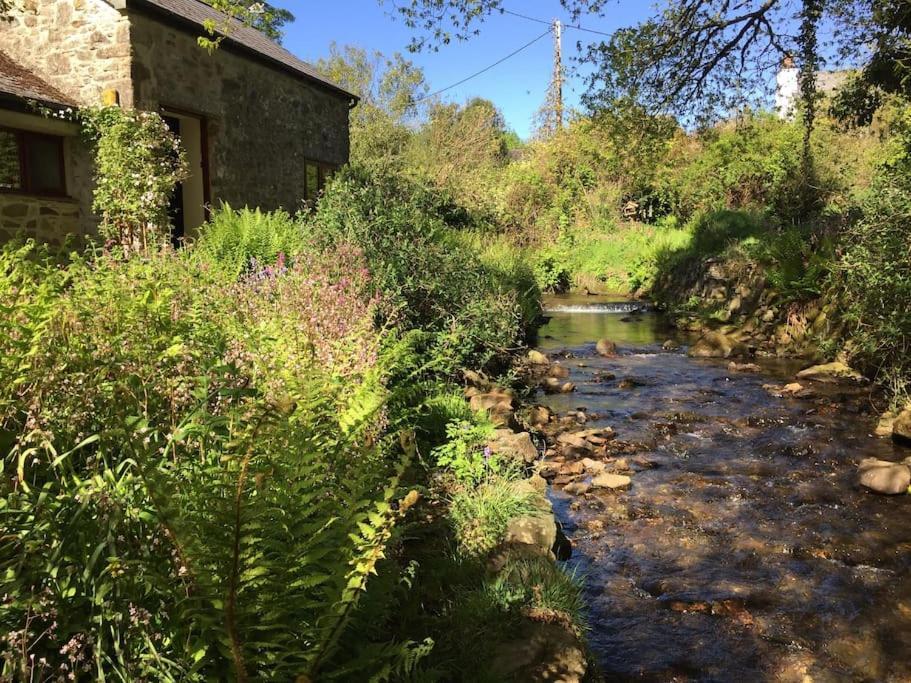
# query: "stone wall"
(82, 47)
(51, 219)
(264, 122)
(47, 220)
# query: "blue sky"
(517, 86)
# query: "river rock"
(743, 367)
(670, 345)
(476, 379)
(901, 428)
(558, 371)
(593, 466)
(537, 358)
(611, 481)
(542, 651)
(717, 345)
(571, 469)
(831, 372)
(885, 477)
(539, 416)
(552, 385)
(886, 425)
(606, 348)
(518, 447)
(572, 439)
(498, 403)
(577, 488)
(538, 531)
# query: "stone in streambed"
(717, 345)
(518, 447)
(606, 348)
(593, 466)
(538, 531)
(743, 367)
(558, 371)
(542, 651)
(577, 488)
(831, 373)
(552, 385)
(901, 428)
(670, 345)
(884, 477)
(537, 358)
(611, 481)
(539, 415)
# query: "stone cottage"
(260, 127)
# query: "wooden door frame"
(203, 119)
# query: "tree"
(887, 38)
(263, 16)
(460, 147)
(390, 89)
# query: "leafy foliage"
(138, 161)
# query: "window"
(31, 162)
(315, 177)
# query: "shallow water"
(743, 550)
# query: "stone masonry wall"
(263, 122)
(50, 219)
(82, 47)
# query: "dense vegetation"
(218, 461)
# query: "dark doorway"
(176, 208)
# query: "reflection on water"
(574, 321)
(743, 550)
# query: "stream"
(743, 550)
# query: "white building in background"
(787, 86)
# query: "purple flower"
(487, 452)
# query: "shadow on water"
(743, 550)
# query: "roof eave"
(124, 5)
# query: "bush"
(874, 271)
(432, 281)
(237, 241)
(175, 436)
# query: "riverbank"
(719, 522)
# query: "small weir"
(743, 550)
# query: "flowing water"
(743, 550)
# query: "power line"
(485, 69)
(543, 21)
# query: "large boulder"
(717, 345)
(538, 531)
(539, 416)
(882, 476)
(606, 348)
(537, 358)
(901, 428)
(831, 373)
(542, 651)
(518, 447)
(497, 403)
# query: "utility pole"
(558, 74)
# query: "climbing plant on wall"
(138, 161)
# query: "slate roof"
(19, 82)
(197, 12)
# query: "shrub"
(175, 436)
(480, 515)
(874, 271)
(236, 240)
(138, 161)
(430, 279)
